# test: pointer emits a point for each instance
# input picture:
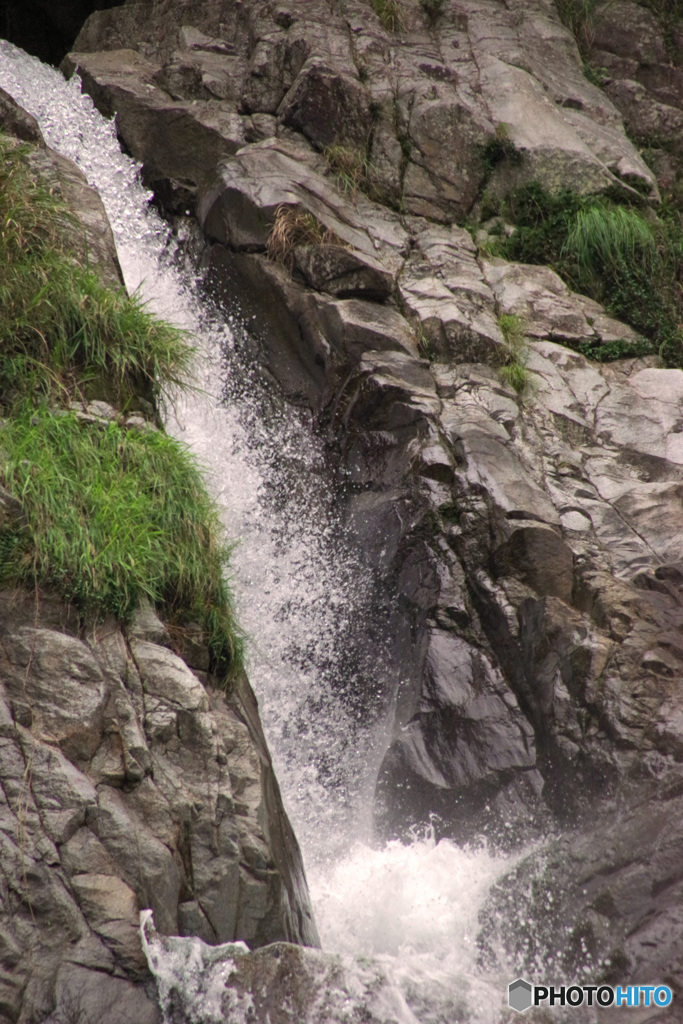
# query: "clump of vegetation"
(577, 15)
(112, 516)
(620, 256)
(500, 149)
(433, 9)
(424, 343)
(62, 331)
(514, 370)
(350, 168)
(292, 227)
(390, 14)
(101, 514)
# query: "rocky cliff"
(129, 777)
(332, 153)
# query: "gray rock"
(342, 272)
(458, 85)
(94, 243)
(173, 138)
(102, 813)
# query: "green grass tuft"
(627, 260)
(102, 515)
(514, 371)
(602, 236)
(113, 516)
(62, 332)
(351, 170)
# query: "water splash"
(403, 920)
(301, 590)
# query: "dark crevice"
(46, 28)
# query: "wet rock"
(607, 895)
(17, 121)
(281, 984)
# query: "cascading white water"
(300, 591)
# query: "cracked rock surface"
(127, 782)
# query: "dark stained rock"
(327, 106)
(17, 121)
(342, 272)
(537, 555)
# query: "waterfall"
(405, 914)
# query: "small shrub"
(595, 75)
(613, 254)
(390, 14)
(500, 149)
(113, 516)
(433, 9)
(577, 15)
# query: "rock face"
(433, 113)
(637, 55)
(127, 782)
(535, 543)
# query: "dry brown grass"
(292, 227)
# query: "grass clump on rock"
(294, 226)
(61, 330)
(390, 14)
(105, 515)
(514, 370)
(351, 170)
(627, 259)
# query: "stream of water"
(304, 597)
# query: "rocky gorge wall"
(129, 778)
(534, 543)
